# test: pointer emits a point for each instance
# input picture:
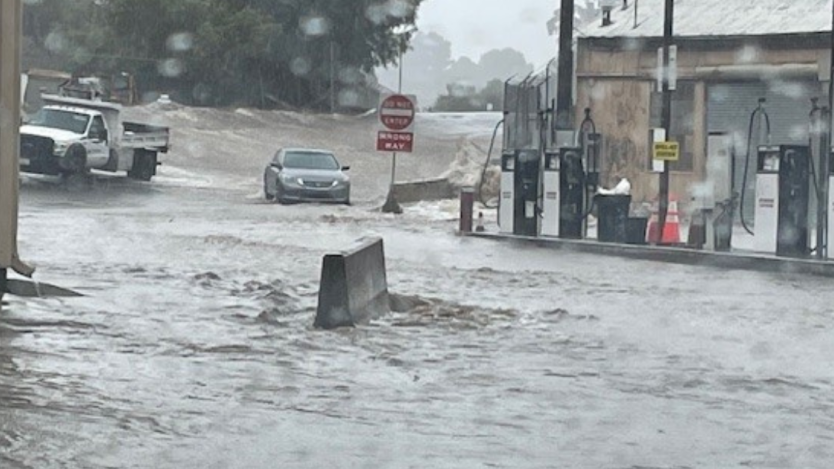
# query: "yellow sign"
(667, 151)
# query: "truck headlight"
(60, 148)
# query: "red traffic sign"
(396, 112)
(402, 142)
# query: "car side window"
(97, 129)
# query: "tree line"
(444, 83)
(263, 53)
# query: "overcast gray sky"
(477, 26)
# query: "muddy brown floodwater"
(193, 347)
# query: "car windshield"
(310, 160)
(63, 120)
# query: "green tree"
(465, 98)
(218, 52)
(425, 67)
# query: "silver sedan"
(304, 175)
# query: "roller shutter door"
(729, 106)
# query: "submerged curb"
(724, 260)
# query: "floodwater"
(194, 347)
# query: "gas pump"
(506, 199)
(782, 199)
(519, 210)
(563, 185)
(552, 201)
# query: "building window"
(683, 123)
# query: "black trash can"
(612, 211)
(636, 230)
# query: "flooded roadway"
(194, 349)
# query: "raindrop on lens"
(350, 75)
(180, 42)
(747, 54)
(300, 66)
(201, 93)
(55, 42)
(315, 26)
(348, 98)
(171, 68)
(398, 8)
(150, 96)
(376, 13)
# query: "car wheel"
(279, 194)
(267, 195)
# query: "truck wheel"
(144, 166)
(75, 161)
(75, 177)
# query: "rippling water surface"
(194, 349)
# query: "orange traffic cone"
(672, 229)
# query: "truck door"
(98, 149)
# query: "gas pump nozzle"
(592, 149)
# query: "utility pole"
(564, 91)
(825, 161)
(332, 77)
(11, 19)
(666, 116)
(11, 37)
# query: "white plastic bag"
(622, 188)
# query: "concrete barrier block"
(354, 286)
(424, 190)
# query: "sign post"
(666, 114)
(396, 135)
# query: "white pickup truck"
(68, 137)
